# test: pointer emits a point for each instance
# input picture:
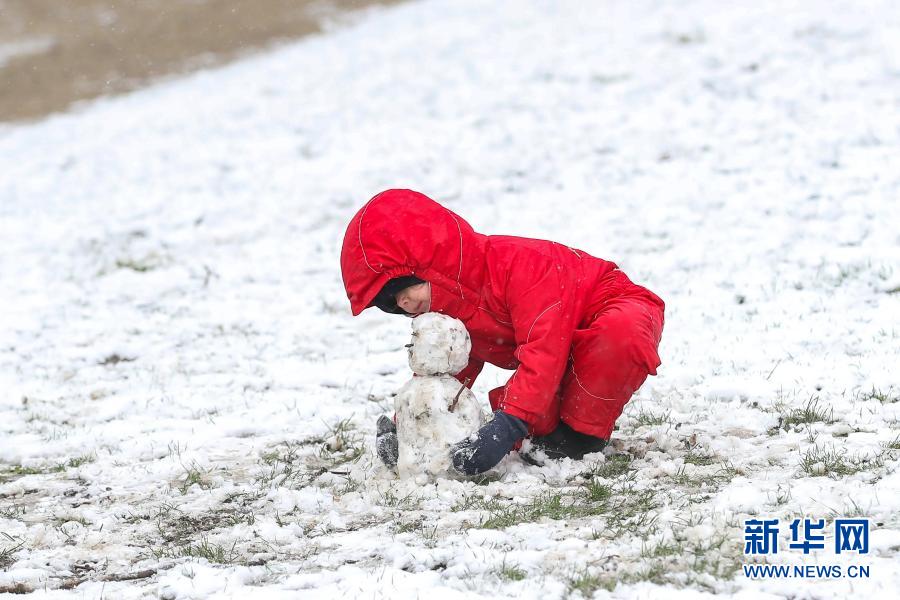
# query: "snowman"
(433, 409)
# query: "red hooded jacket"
(521, 299)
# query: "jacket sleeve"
(540, 297)
(470, 371)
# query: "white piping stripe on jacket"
(578, 381)
(459, 275)
(493, 317)
(359, 234)
(527, 337)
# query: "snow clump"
(433, 409)
(440, 345)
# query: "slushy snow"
(183, 391)
(434, 410)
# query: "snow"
(426, 428)
(440, 345)
(185, 391)
(433, 409)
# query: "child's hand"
(386, 442)
(487, 447)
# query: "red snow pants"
(608, 362)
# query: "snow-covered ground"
(186, 399)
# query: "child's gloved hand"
(386, 442)
(486, 447)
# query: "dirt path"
(53, 53)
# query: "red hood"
(402, 232)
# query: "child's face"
(416, 299)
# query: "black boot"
(563, 442)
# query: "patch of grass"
(214, 553)
(466, 503)
(850, 509)
(511, 572)
(80, 460)
(13, 511)
(140, 266)
(651, 419)
(195, 475)
(587, 583)
(699, 459)
(596, 491)
(624, 508)
(662, 550)
(632, 512)
(485, 478)
(714, 556)
(297, 464)
(818, 461)
(349, 485)
(811, 412)
(270, 457)
(343, 444)
(551, 505)
(653, 572)
(132, 518)
(74, 463)
(282, 466)
(673, 562)
(16, 471)
(704, 478)
(613, 466)
(894, 444)
(426, 532)
(178, 527)
(430, 534)
(391, 500)
(409, 526)
(6, 552)
(185, 534)
(680, 563)
(888, 397)
(838, 274)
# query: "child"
(580, 335)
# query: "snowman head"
(440, 345)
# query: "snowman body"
(433, 409)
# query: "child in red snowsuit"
(579, 334)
